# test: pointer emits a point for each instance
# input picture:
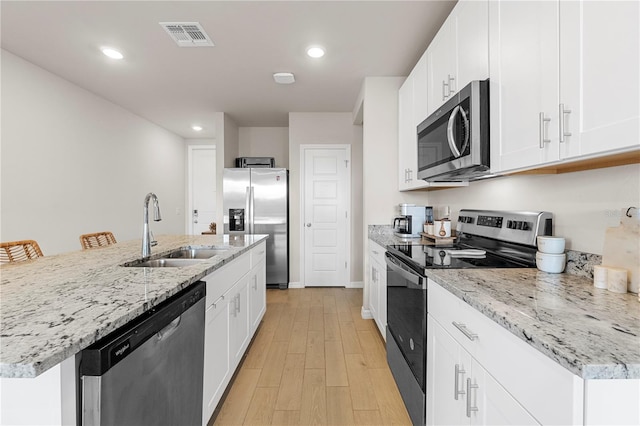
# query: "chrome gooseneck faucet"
(146, 233)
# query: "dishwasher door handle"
(169, 329)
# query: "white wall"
(265, 142)
(74, 163)
(584, 203)
(324, 128)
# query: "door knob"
(308, 225)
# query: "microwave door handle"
(450, 135)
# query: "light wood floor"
(314, 360)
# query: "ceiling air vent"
(187, 34)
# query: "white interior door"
(201, 209)
(326, 194)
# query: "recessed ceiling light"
(315, 52)
(112, 53)
(196, 127)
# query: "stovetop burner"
(486, 239)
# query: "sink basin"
(165, 263)
(196, 253)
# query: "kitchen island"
(55, 306)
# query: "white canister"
(428, 228)
(443, 228)
(600, 276)
(617, 280)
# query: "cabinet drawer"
(218, 282)
(551, 393)
(377, 252)
(258, 253)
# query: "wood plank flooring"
(314, 361)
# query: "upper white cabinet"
(412, 110)
(599, 76)
(561, 73)
(459, 53)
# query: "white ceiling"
(176, 87)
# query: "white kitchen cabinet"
(217, 364)
(524, 65)
(409, 102)
(378, 286)
(236, 303)
(561, 75)
(257, 286)
(239, 320)
(599, 77)
(459, 53)
(549, 393)
(459, 389)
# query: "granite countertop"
(55, 306)
(592, 332)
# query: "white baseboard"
(355, 284)
(296, 284)
(365, 313)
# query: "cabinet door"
(382, 302)
(472, 39)
(420, 92)
(447, 371)
(374, 289)
(441, 65)
(495, 406)
(523, 40)
(258, 294)
(217, 365)
(239, 319)
(600, 76)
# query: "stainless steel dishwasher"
(150, 371)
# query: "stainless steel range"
(485, 239)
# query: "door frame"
(303, 149)
(189, 180)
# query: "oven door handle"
(404, 271)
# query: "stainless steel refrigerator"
(256, 201)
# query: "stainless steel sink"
(196, 253)
(164, 263)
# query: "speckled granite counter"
(55, 306)
(593, 333)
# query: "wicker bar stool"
(98, 239)
(18, 251)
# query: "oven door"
(407, 314)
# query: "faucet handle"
(153, 239)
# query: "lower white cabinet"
(460, 391)
(239, 320)
(257, 286)
(378, 286)
(236, 303)
(516, 384)
(217, 364)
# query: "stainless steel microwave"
(453, 142)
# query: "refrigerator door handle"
(247, 211)
(251, 212)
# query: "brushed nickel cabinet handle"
(563, 113)
(456, 390)
(463, 328)
(470, 409)
(542, 120)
